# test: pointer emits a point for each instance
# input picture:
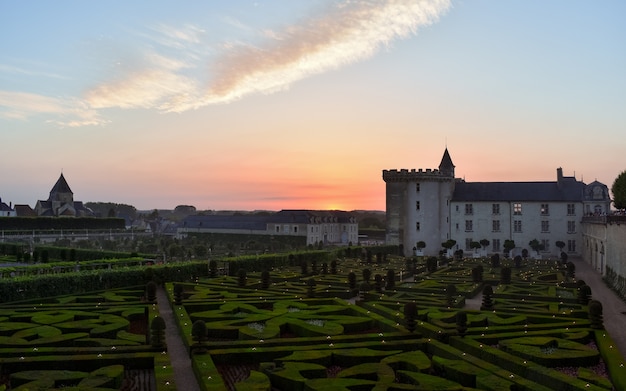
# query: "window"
(469, 209)
(417, 205)
(571, 246)
(545, 210)
(517, 226)
(295, 229)
(468, 243)
(278, 228)
(517, 208)
(571, 227)
(469, 225)
(286, 229)
(545, 226)
(417, 187)
(417, 225)
(495, 209)
(546, 244)
(495, 245)
(495, 225)
(571, 209)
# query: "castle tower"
(417, 205)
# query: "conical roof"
(446, 164)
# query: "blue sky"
(301, 104)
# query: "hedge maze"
(294, 334)
(395, 325)
(96, 342)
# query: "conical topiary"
(487, 298)
(410, 316)
(595, 315)
(157, 328)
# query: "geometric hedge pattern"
(294, 334)
(324, 332)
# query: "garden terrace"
(305, 328)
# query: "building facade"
(433, 206)
(60, 202)
(327, 227)
(7, 210)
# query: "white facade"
(433, 206)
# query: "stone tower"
(417, 203)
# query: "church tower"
(417, 203)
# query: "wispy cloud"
(68, 112)
(10, 69)
(350, 32)
(347, 33)
(172, 76)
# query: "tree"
(448, 244)
(199, 332)
(535, 245)
(508, 246)
(179, 290)
(475, 245)
(419, 246)
(265, 279)
(595, 315)
(151, 288)
(410, 316)
(158, 332)
(461, 323)
(487, 298)
(367, 275)
(241, 278)
(378, 283)
(560, 244)
(311, 284)
(390, 281)
(484, 243)
(619, 191)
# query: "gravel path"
(179, 356)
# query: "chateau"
(433, 206)
(327, 227)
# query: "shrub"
(390, 281)
(158, 332)
(151, 288)
(410, 316)
(595, 315)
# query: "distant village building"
(6, 210)
(61, 202)
(327, 227)
(433, 206)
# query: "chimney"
(559, 176)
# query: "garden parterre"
(316, 330)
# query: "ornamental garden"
(316, 320)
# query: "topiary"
(461, 323)
(157, 327)
(178, 293)
(151, 288)
(595, 315)
(487, 298)
(410, 316)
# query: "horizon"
(267, 105)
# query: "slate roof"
(241, 222)
(567, 190)
(61, 186)
(4, 207)
(259, 222)
(446, 162)
(24, 210)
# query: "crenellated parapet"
(405, 175)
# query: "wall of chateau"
(604, 248)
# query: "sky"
(269, 105)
